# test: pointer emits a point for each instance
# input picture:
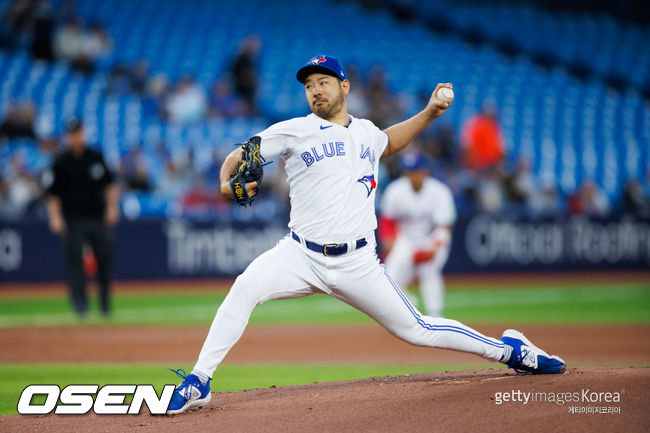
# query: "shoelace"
(187, 382)
(527, 355)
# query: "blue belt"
(329, 249)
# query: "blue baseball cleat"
(527, 358)
(189, 393)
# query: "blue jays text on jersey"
(369, 154)
(328, 150)
(335, 149)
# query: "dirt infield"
(577, 344)
(466, 281)
(448, 402)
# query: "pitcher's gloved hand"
(249, 170)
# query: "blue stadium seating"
(571, 130)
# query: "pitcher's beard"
(328, 111)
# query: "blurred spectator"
(224, 102)
(126, 79)
(19, 121)
(15, 166)
(187, 103)
(139, 179)
(442, 144)
(42, 30)
(155, 159)
(278, 185)
(521, 186)
(244, 71)
(482, 140)
(385, 107)
(491, 194)
(589, 200)
(15, 23)
(97, 43)
(119, 81)
(139, 76)
(81, 47)
(199, 197)
(177, 178)
(392, 164)
(25, 192)
(462, 184)
(9, 209)
(635, 201)
(211, 174)
(156, 94)
(356, 100)
(546, 202)
(68, 41)
(49, 145)
(134, 171)
(594, 200)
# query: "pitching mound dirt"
(449, 402)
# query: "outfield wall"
(159, 249)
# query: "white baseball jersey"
(419, 212)
(332, 172)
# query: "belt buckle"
(328, 246)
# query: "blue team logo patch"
(369, 182)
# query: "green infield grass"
(596, 303)
(15, 377)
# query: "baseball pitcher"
(331, 163)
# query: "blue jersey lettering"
(316, 155)
(328, 148)
(368, 154)
(306, 156)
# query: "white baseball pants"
(289, 270)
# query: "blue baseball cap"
(414, 161)
(321, 64)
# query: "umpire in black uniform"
(82, 205)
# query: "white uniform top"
(419, 213)
(332, 172)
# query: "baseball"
(445, 94)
